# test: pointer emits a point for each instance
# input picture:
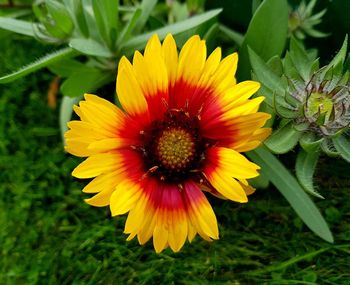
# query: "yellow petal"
(192, 60)
(128, 89)
(210, 67)
(224, 76)
(170, 57)
(96, 165)
(160, 234)
(124, 197)
(104, 181)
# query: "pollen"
(175, 148)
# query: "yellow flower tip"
(123, 63)
(244, 199)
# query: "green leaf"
(66, 111)
(342, 145)
(38, 64)
(264, 74)
(340, 57)
(76, 11)
(292, 191)
(255, 5)
(283, 140)
(106, 18)
(139, 42)
(305, 168)
(275, 65)
(266, 34)
(66, 67)
(129, 27)
(90, 47)
(88, 80)
(300, 59)
(146, 7)
(232, 35)
(310, 143)
(17, 26)
(60, 15)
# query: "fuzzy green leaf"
(266, 34)
(90, 47)
(342, 145)
(283, 140)
(305, 168)
(139, 42)
(38, 64)
(309, 142)
(292, 191)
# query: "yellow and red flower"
(185, 120)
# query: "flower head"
(185, 122)
(317, 100)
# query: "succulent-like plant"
(313, 104)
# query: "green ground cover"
(50, 236)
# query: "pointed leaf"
(340, 57)
(292, 191)
(305, 168)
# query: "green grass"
(50, 236)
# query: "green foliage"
(294, 194)
(266, 34)
(283, 139)
(50, 236)
(305, 168)
(98, 33)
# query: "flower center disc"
(175, 148)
